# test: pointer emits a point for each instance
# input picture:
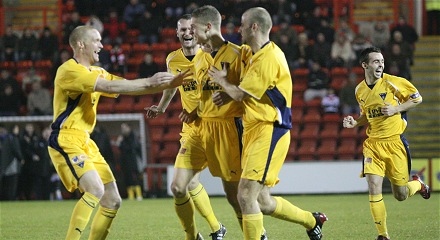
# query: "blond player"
(177, 61)
(78, 87)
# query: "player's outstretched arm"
(158, 82)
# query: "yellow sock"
(81, 215)
(203, 205)
(413, 187)
(130, 192)
(252, 226)
(138, 191)
(289, 212)
(379, 213)
(101, 223)
(185, 211)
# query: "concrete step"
(426, 68)
(422, 130)
(427, 54)
(433, 62)
(424, 153)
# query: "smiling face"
(92, 46)
(375, 65)
(184, 34)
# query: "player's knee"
(178, 191)
(96, 191)
(193, 184)
(400, 196)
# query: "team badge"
(368, 160)
(415, 95)
(383, 95)
(79, 160)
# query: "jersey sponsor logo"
(372, 113)
(211, 86)
(383, 95)
(189, 86)
(368, 160)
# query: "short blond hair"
(260, 16)
(208, 13)
(79, 34)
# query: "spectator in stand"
(102, 140)
(321, 51)
(344, 28)
(347, 96)
(284, 11)
(148, 67)
(231, 35)
(29, 78)
(405, 47)
(48, 45)
(39, 100)
(10, 163)
(113, 28)
(131, 161)
(433, 16)
(75, 21)
(409, 34)
(9, 44)
(289, 51)
(42, 171)
(29, 143)
(398, 63)
(303, 52)
(27, 45)
(96, 23)
(63, 55)
(132, 12)
(10, 95)
(380, 35)
(285, 29)
(117, 58)
(330, 102)
(317, 84)
(173, 9)
(327, 30)
(312, 22)
(360, 42)
(149, 27)
(342, 54)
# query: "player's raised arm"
(158, 82)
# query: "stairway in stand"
(423, 132)
(30, 14)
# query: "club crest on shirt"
(415, 95)
(383, 95)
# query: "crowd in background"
(315, 45)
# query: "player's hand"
(220, 98)
(180, 78)
(349, 122)
(153, 111)
(187, 117)
(388, 109)
(219, 76)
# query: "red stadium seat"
(172, 134)
(124, 104)
(156, 133)
(347, 150)
(159, 121)
(313, 105)
(312, 117)
(307, 151)
(106, 105)
(294, 132)
(297, 117)
(126, 48)
(330, 132)
(310, 131)
(332, 119)
(131, 75)
(327, 150)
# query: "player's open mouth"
(187, 39)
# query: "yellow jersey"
(234, 56)
(75, 99)
(267, 79)
(388, 89)
(189, 91)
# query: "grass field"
(349, 218)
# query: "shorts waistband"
(74, 132)
(391, 138)
(208, 119)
